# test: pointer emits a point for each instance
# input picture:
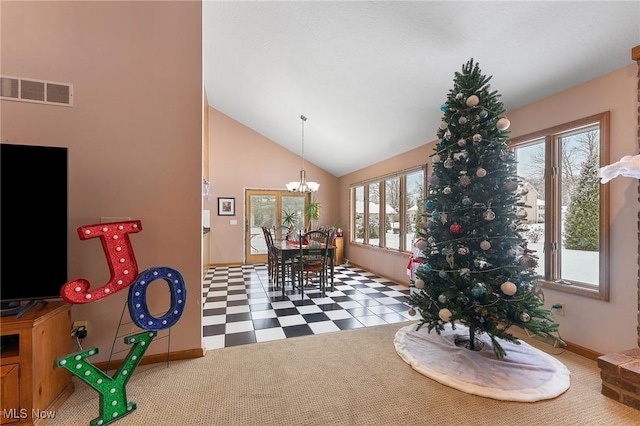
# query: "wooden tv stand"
(32, 386)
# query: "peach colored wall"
(242, 159)
(134, 136)
(604, 327)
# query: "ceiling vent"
(39, 91)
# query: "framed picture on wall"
(226, 206)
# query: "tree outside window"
(384, 211)
(566, 204)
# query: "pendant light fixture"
(303, 185)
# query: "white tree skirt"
(525, 374)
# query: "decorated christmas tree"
(477, 270)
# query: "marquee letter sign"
(113, 395)
(119, 252)
(138, 299)
(124, 272)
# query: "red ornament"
(455, 228)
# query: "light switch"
(233, 222)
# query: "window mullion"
(402, 211)
(555, 208)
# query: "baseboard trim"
(582, 351)
(213, 265)
(154, 359)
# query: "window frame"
(552, 253)
(381, 181)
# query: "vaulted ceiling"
(371, 76)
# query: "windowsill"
(377, 248)
(592, 292)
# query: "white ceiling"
(371, 76)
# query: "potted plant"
(312, 211)
(289, 219)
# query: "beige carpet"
(343, 378)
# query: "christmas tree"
(477, 270)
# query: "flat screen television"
(34, 225)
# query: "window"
(385, 210)
(566, 206)
(358, 215)
(391, 215)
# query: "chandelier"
(303, 185)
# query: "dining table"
(287, 249)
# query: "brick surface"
(631, 401)
(610, 392)
(611, 362)
(631, 372)
(620, 383)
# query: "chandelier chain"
(303, 118)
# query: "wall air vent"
(39, 91)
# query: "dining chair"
(274, 260)
(312, 261)
(332, 243)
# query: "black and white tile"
(242, 306)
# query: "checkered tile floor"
(241, 306)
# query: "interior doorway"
(269, 208)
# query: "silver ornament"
(511, 186)
(489, 215)
(525, 317)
